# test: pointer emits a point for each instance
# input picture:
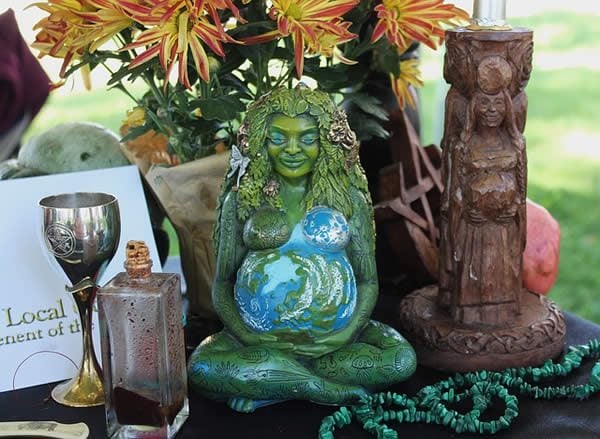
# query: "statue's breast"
(267, 228)
(326, 228)
(306, 285)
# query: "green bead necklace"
(430, 404)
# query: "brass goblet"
(81, 231)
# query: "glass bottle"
(143, 351)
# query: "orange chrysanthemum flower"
(174, 26)
(61, 33)
(405, 21)
(409, 75)
(313, 24)
(74, 27)
(105, 21)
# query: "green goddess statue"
(296, 280)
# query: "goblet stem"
(85, 388)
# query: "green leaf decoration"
(387, 57)
(369, 104)
(338, 77)
(136, 132)
(126, 73)
(222, 108)
(366, 127)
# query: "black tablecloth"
(298, 419)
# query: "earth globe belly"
(300, 287)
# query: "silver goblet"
(81, 231)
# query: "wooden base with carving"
(536, 335)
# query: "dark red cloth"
(24, 86)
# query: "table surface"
(300, 419)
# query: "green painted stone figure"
(296, 279)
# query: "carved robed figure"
(480, 316)
(485, 224)
(296, 280)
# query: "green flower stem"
(164, 124)
(121, 87)
(430, 405)
(260, 71)
(240, 28)
(156, 92)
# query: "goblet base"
(83, 390)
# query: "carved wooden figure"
(480, 316)
(486, 194)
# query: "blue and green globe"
(306, 286)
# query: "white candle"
(492, 10)
(490, 14)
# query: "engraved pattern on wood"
(446, 337)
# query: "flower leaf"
(340, 76)
(387, 58)
(222, 108)
(366, 127)
(134, 132)
(369, 104)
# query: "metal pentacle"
(60, 240)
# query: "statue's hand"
(508, 215)
(313, 350)
(325, 344)
(337, 339)
(476, 216)
(269, 340)
(250, 338)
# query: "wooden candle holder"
(480, 316)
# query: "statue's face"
(293, 144)
(490, 109)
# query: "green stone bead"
(581, 392)
(400, 416)
(505, 423)
(595, 377)
(448, 418)
(453, 423)
(512, 413)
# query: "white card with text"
(40, 332)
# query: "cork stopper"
(137, 259)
